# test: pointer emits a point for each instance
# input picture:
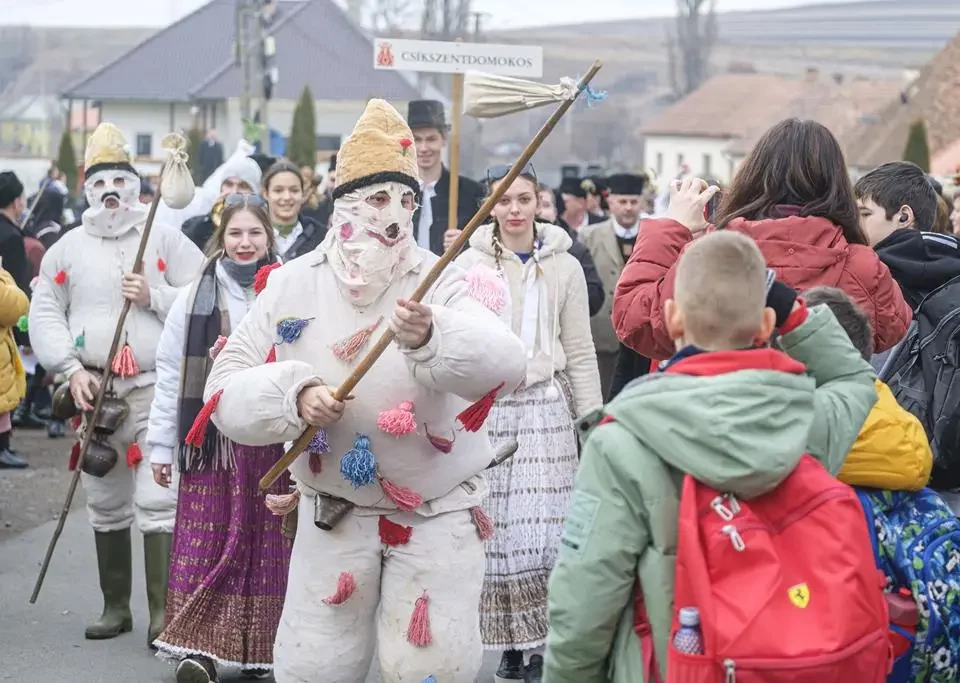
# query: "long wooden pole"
(98, 405)
(367, 362)
(455, 134)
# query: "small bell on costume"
(348, 348)
(124, 364)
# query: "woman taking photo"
(793, 196)
(295, 234)
(547, 308)
(228, 567)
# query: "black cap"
(574, 186)
(626, 183)
(10, 188)
(426, 114)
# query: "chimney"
(813, 74)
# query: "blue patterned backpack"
(917, 546)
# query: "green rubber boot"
(116, 569)
(156, 560)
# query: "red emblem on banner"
(385, 55)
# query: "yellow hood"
(892, 451)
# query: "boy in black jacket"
(897, 206)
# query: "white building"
(186, 75)
(710, 131)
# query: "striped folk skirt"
(228, 565)
(529, 496)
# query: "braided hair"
(497, 238)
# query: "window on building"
(659, 163)
(144, 145)
(706, 165)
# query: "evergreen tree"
(917, 150)
(302, 143)
(67, 160)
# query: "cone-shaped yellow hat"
(106, 148)
(380, 149)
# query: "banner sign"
(522, 61)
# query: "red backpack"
(786, 585)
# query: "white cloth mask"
(369, 246)
(103, 222)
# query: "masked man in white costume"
(395, 473)
(84, 279)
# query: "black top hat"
(426, 114)
(626, 183)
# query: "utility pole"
(266, 51)
(242, 59)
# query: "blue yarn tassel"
(289, 329)
(595, 96)
(358, 466)
(318, 444)
(429, 679)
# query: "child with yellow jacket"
(13, 380)
(892, 451)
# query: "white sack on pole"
(176, 184)
(487, 96)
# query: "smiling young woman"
(283, 188)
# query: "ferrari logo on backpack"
(799, 595)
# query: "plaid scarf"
(207, 319)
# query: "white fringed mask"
(121, 190)
(371, 239)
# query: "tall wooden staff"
(104, 381)
(364, 366)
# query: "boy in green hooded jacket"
(727, 409)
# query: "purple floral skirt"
(228, 566)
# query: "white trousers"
(322, 643)
(128, 494)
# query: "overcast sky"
(503, 13)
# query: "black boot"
(534, 671)
(23, 418)
(196, 669)
(511, 666)
(116, 569)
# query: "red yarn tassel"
(199, 428)
(316, 463)
(349, 348)
(161, 264)
(76, 422)
(60, 277)
(418, 632)
(134, 456)
(272, 356)
(392, 533)
(403, 498)
(124, 364)
(346, 585)
(483, 523)
(260, 279)
(74, 456)
(473, 417)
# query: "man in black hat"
(428, 123)
(611, 243)
(573, 194)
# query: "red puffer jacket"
(804, 251)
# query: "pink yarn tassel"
(484, 286)
(124, 364)
(398, 421)
(403, 498)
(349, 348)
(217, 347)
(418, 632)
(483, 523)
(346, 585)
(284, 504)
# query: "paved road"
(44, 642)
